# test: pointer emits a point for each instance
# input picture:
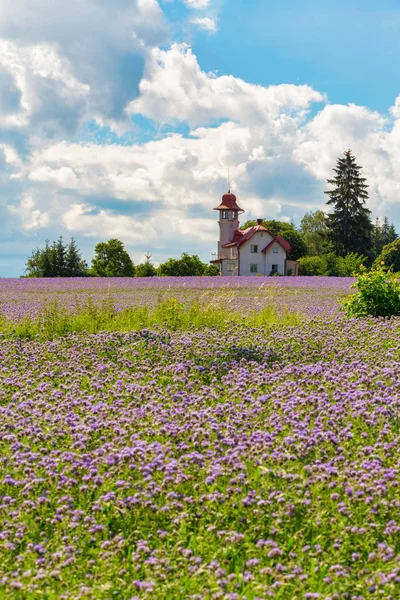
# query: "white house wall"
(260, 239)
(275, 259)
(263, 261)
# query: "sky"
(121, 119)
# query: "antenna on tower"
(229, 179)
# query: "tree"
(56, 260)
(112, 260)
(74, 265)
(146, 269)
(331, 265)
(390, 256)
(314, 230)
(287, 231)
(34, 267)
(382, 234)
(350, 227)
(185, 266)
(212, 271)
(311, 265)
(60, 253)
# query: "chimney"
(259, 221)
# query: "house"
(253, 251)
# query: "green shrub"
(212, 270)
(311, 265)
(331, 265)
(390, 256)
(352, 264)
(378, 294)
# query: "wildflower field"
(240, 441)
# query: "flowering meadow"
(233, 462)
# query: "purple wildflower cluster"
(200, 465)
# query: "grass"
(91, 317)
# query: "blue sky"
(120, 120)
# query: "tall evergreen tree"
(60, 255)
(74, 265)
(350, 227)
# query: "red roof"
(229, 203)
(281, 241)
(284, 243)
(240, 237)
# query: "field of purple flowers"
(243, 463)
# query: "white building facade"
(253, 251)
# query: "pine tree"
(350, 227)
(74, 265)
(146, 269)
(48, 267)
(61, 253)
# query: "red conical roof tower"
(229, 202)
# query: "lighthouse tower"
(228, 223)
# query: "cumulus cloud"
(174, 88)
(30, 217)
(83, 219)
(63, 62)
(206, 23)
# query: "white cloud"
(206, 23)
(81, 219)
(29, 217)
(64, 62)
(175, 89)
(197, 4)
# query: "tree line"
(110, 260)
(334, 244)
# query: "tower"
(228, 222)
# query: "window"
(253, 269)
(274, 268)
(254, 249)
(224, 214)
(230, 266)
(275, 250)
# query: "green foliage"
(382, 235)
(331, 265)
(378, 294)
(56, 260)
(146, 269)
(287, 231)
(390, 256)
(311, 265)
(314, 230)
(212, 270)
(93, 317)
(349, 225)
(74, 265)
(352, 264)
(112, 260)
(186, 266)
